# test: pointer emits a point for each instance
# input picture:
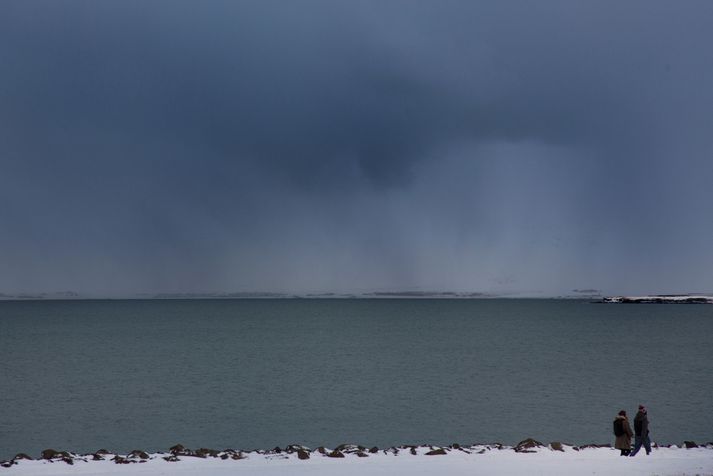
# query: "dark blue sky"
(526, 147)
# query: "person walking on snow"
(623, 433)
(641, 431)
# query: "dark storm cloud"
(354, 145)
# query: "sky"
(354, 146)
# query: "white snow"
(589, 461)
(681, 298)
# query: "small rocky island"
(660, 299)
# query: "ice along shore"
(660, 299)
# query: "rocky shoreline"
(298, 452)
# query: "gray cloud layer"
(297, 146)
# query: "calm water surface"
(81, 375)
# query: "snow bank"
(661, 299)
(349, 460)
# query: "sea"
(80, 375)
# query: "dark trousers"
(638, 442)
(625, 452)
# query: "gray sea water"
(80, 375)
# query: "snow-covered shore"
(660, 299)
(526, 458)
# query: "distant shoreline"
(388, 294)
(591, 295)
(653, 299)
(72, 296)
(296, 297)
(661, 299)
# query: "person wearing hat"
(624, 433)
(641, 431)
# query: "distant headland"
(660, 299)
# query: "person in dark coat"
(623, 441)
(641, 431)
